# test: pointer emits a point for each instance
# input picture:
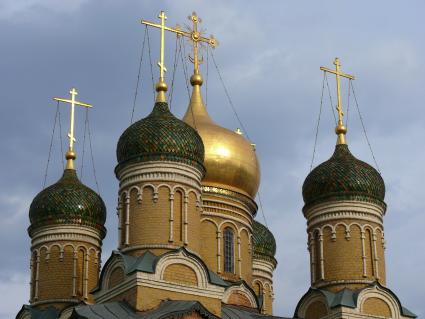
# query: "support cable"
(150, 59)
(206, 79)
(228, 96)
(184, 63)
(170, 94)
(60, 139)
(318, 122)
(330, 98)
(138, 75)
(51, 146)
(91, 155)
(348, 103)
(364, 129)
(84, 145)
(261, 208)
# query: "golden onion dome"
(230, 159)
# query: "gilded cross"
(195, 36)
(340, 129)
(70, 155)
(163, 27)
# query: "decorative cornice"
(160, 171)
(343, 282)
(226, 193)
(55, 233)
(337, 210)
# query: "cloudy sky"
(269, 56)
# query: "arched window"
(229, 264)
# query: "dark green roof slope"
(170, 309)
(48, 313)
(160, 137)
(263, 241)
(68, 201)
(343, 177)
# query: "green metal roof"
(160, 137)
(263, 241)
(68, 201)
(343, 177)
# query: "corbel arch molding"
(224, 223)
(311, 296)
(383, 294)
(206, 219)
(114, 261)
(242, 289)
(184, 258)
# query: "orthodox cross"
(340, 129)
(163, 27)
(195, 36)
(70, 155)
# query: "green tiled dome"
(68, 201)
(160, 136)
(343, 177)
(263, 241)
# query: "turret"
(67, 228)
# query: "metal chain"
(150, 58)
(364, 129)
(330, 98)
(228, 97)
(318, 122)
(50, 146)
(170, 94)
(138, 75)
(91, 154)
(84, 145)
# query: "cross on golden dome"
(340, 130)
(196, 36)
(70, 155)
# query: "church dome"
(264, 243)
(68, 201)
(343, 177)
(160, 136)
(230, 159)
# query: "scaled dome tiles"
(343, 177)
(160, 136)
(68, 201)
(263, 241)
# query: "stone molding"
(160, 171)
(243, 290)
(226, 193)
(55, 233)
(262, 268)
(336, 210)
(155, 280)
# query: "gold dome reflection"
(230, 159)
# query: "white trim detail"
(241, 289)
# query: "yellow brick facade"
(346, 253)
(376, 307)
(221, 211)
(156, 215)
(180, 274)
(64, 270)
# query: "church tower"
(228, 188)
(345, 208)
(67, 228)
(263, 265)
